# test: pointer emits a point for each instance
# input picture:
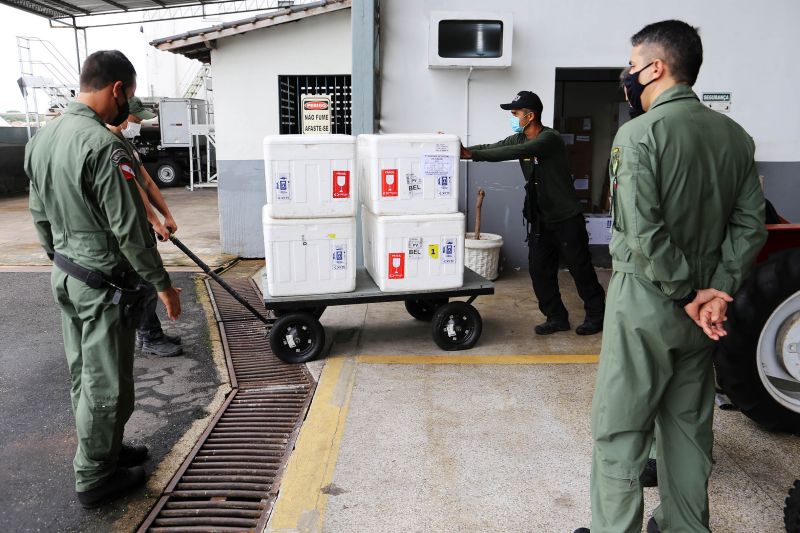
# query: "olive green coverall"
(86, 207)
(688, 213)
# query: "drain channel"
(228, 481)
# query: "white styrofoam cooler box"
(408, 174)
(414, 252)
(309, 256)
(599, 228)
(310, 176)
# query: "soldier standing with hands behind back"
(688, 216)
(91, 221)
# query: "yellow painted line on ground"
(301, 503)
(533, 359)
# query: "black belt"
(94, 279)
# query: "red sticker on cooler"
(341, 184)
(389, 182)
(127, 171)
(397, 266)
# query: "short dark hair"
(104, 67)
(681, 44)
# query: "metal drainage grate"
(228, 482)
(226, 308)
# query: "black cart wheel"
(757, 363)
(424, 308)
(316, 312)
(297, 338)
(456, 326)
(791, 513)
(168, 173)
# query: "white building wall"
(245, 70)
(748, 51)
(246, 67)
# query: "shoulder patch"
(118, 156)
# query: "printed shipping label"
(448, 251)
(339, 259)
(414, 184)
(414, 248)
(442, 147)
(444, 187)
(437, 165)
(397, 265)
(341, 184)
(388, 182)
(283, 187)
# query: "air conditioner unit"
(464, 39)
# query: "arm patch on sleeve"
(122, 160)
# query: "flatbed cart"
(297, 335)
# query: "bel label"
(414, 248)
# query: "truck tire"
(765, 313)
(168, 173)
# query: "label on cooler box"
(339, 259)
(442, 147)
(448, 251)
(341, 184)
(397, 265)
(444, 187)
(283, 187)
(414, 184)
(437, 165)
(388, 182)
(433, 251)
(415, 248)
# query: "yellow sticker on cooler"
(433, 251)
(331, 235)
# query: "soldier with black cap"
(556, 224)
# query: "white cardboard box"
(414, 252)
(408, 174)
(309, 256)
(599, 229)
(310, 176)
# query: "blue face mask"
(516, 126)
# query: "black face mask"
(122, 111)
(634, 90)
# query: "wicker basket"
(483, 256)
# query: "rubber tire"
(770, 284)
(316, 312)
(314, 331)
(167, 166)
(442, 316)
(791, 511)
(424, 308)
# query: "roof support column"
(366, 66)
(77, 47)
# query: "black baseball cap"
(525, 100)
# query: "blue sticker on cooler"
(283, 187)
(339, 259)
(448, 251)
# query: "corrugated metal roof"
(197, 44)
(58, 9)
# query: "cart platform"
(297, 335)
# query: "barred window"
(292, 88)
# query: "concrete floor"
(402, 437)
(195, 212)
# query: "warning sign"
(388, 182)
(341, 184)
(283, 187)
(448, 251)
(339, 259)
(397, 265)
(315, 114)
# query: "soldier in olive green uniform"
(557, 226)
(688, 215)
(91, 220)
